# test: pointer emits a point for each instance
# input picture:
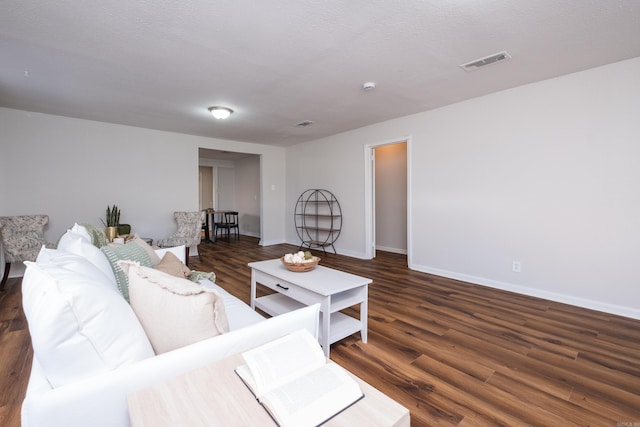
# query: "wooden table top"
(215, 395)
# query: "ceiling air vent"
(304, 124)
(487, 60)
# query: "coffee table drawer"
(287, 288)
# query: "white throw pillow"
(173, 311)
(75, 263)
(80, 325)
(79, 229)
(78, 242)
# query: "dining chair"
(228, 221)
(231, 218)
(220, 225)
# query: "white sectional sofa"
(90, 351)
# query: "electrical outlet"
(517, 266)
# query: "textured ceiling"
(160, 64)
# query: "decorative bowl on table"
(300, 266)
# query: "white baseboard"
(249, 234)
(271, 242)
(352, 254)
(393, 250)
(525, 290)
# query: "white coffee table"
(335, 290)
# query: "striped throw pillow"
(128, 252)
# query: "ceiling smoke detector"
(487, 60)
(369, 86)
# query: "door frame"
(369, 195)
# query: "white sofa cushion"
(238, 313)
(77, 241)
(80, 230)
(173, 311)
(74, 262)
(80, 325)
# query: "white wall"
(335, 164)
(72, 169)
(226, 188)
(546, 174)
(248, 195)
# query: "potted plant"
(113, 220)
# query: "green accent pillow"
(128, 252)
(195, 276)
(98, 237)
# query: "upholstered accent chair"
(188, 233)
(22, 238)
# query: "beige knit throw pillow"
(174, 312)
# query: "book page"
(313, 398)
(279, 361)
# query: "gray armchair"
(22, 238)
(188, 233)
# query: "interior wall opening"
(390, 197)
(235, 185)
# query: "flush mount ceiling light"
(220, 113)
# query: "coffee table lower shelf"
(342, 325)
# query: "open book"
(294, 381)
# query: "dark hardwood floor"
(453, 353)
(15, 354)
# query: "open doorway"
(390, 195)
(235, 186)
(387, 206)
